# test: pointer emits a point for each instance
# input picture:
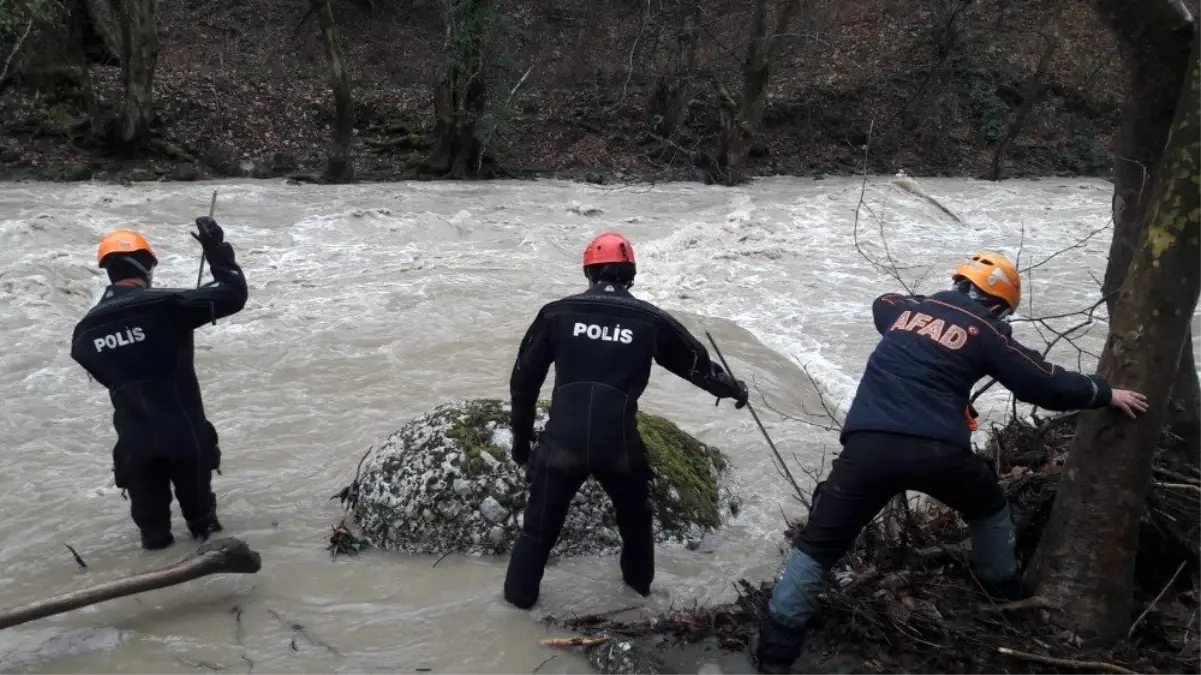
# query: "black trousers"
(149, 478)
(875, 466)
(555, 475)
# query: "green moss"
(687, 465)
(472, 430)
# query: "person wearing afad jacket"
(909, 428)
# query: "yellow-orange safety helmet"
(993, 274)
(122, 241)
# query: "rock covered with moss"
(445, 483)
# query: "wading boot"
(1007, 590)
(154, 540)
(777, 646)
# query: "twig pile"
(904, 600)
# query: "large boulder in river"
(445, 482)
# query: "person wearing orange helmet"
(909, 428)
(137, 342)
(602, 343)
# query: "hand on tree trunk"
(1130, 402)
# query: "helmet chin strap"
(997, 308)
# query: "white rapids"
(371, 304)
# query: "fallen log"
(220, 556)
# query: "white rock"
(444, 482)
(492, 511)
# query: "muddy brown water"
(371, 304)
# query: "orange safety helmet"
(123, 241)
(609, 248)
(993, 274)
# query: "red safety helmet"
(609, 248)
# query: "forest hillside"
(595, 89)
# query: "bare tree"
(1154, 41)
(339, 167)
(137, 25)
(1085, 560)
(462, 96)
(673, 90)
(1032, 93)
(740, 118)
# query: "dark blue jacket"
(920, 376)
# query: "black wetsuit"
(602, 343)
(138, 343)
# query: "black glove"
(735, 389)
(740, 398)
(521, 450)
(210, 235)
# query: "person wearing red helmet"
(602, 343)
(137, 342)
(909, 428)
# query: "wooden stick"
(574, 641)
(219, 556)
(1096, 666)
(1152, 605)
(1033, 602)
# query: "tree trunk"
(1184, 413)
(1085, 560)
(103, 22)
(462, 96)
(1155, 48)
(673, 94)
(1031, 96)
(339, 167)
(137, 21)
(740, 119)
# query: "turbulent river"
(371, 304)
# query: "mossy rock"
(69, 173)
(445, 483)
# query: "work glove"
(732, 388)
(209, 233)
(743, 395)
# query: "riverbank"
(232, 102)
(904, 601)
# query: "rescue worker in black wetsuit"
(602, 343)
(909, 428)
(137, 342)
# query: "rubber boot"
(793, 603)
(155, 540)
(778, 646)
(1006, 590)
(992, 556)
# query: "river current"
(370, 304)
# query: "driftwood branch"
(220, 556)
(1094, 666)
